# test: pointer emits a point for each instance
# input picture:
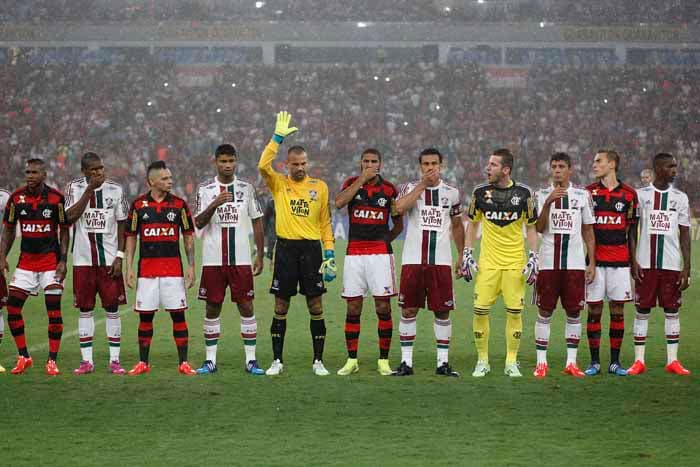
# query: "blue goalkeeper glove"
(532, 268)
(328, 267)
(469, 266)
(282, 128)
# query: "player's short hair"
(662, 157)
(225, 150)
(36, 161)
(157, 165)
(372, 151)
(429, 152)
(87, 158)
(612, 155)
(507, 159)
(561, 156)
(295, 150)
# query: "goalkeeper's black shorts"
(296, 268)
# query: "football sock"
(180, 334)
(407, 336)
(542, 331)
(443, 333)
(145, 335)
(593, 333)
(15, 321)
(249, 334)
(573, 337)
(616, 333)
(672, 327)
(317, 325)
(86, 334)
(639, 331)
(514, 329)
(481, 327)
(278, 330)
(55, 328)
(352, 334)
(113, 326)
(385, 328)
(212, 331)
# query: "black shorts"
(296, 265)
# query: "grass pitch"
(232, 418)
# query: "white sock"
(249, 334)
(443, 333)
(542, 329)
(573, 337)
(672, 326)
(640, 330)
(86, 333)
(212, 331)
(407, 336)
(113, 326)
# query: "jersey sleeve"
(684, 212)
(186, 223)
(531, 209)
(633, 211)
(326, 225)
(122, 207)
(272, 179)
(132, 224)
(456, 204)
(587, 216)
(254, 208)
(10, 216)
(474, 213)
(70, 197)
(199, 201)
(348, 181)
(61, 217)
(393, 212)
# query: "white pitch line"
(69, 334)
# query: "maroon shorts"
(88, 281)
(658, 285)
(433, 282)
(3, 291)
(215, 279)
(569, 285)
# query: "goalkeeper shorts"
(296, 268)
(490, 283)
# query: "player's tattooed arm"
(189, 251)
(684, 279)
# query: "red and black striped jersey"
(369, 212)
(158, 224)
(39, 216)
(614, 211)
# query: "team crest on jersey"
(171, 216)
(515, 200)
(313, 194)
(619, 206)
(574, 203)
(46, 213)
(445, 202)
(203, 292)
(109, 202)
(381, 202)
(239, 196)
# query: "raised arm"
(282, 130)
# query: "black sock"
(317, 325)
(278, 330)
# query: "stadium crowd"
(132, 114)
(621, 12)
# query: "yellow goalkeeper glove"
(282, 128)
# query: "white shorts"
(31, 282)
(369, 273)
(612, 283)
(152, 293)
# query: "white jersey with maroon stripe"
(4, 197)
(429, 224)
(226, 239)
(95, 233)
(660, 214)
(562, 243)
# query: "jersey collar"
(216, 177)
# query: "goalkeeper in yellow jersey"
(303, 225)
(502, 206)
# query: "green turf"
(299, 419)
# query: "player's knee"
(671, 311)
(574, 314)
(478, 311)
(86, 313)
(245, 309)
(354, 307)
(643, 311)
(315, 305)
(548, 313)
(382, 307)
(442, 314)
(409, 313)
(281, 306)
(213, 310)
(112, 309)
